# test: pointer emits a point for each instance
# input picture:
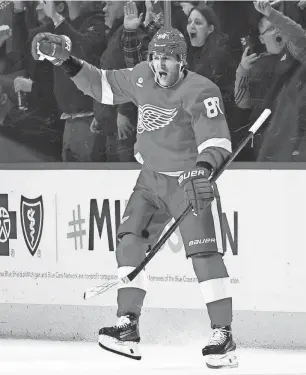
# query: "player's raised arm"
(105, 86)
(210, 127)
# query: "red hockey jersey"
(177, 126)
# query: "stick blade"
(99, 289)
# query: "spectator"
(6, 105)
(7, 97)
(134, 39)
(37, 81)
(276, 79)
(209, 56)
(27, 127)
(8, 61)
(226, 12)
(235, 29)
(135, 43)
(119, 142)
(86, 29)
(10, 67)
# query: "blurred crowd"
(256, 61)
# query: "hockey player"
(182, 139)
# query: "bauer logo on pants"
(32, 219)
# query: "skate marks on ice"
(67, 358)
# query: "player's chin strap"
(181, 74)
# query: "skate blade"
(128, 349)
(228, 360)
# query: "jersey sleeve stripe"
(216, 142)
(139, 158)
(107, 93)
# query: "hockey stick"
(131, 276)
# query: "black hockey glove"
(197, 187)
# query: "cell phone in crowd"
(245, 42)
(254, 46)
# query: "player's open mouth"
(162, 74)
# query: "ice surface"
(65, 358)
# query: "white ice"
(66, 358)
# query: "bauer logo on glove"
(197, 188)
(191, 174)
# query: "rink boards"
(57, 238)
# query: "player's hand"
(55, 48)
(248, 60)
(131, 19)
(263, 6)
(198, 189)
(23, 84)
(125, 127)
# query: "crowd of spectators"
(256, 61)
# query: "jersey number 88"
(212, 106)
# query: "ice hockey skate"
(220, 350)
(122, 338)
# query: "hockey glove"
(197, 187)
(55, 48)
